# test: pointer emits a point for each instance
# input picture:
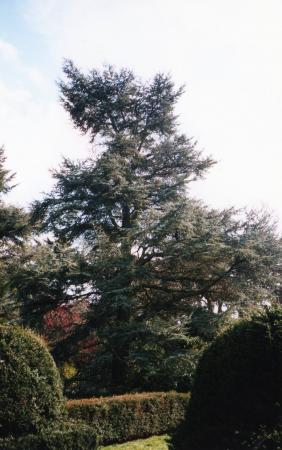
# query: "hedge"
(237, 386)
(132, 416)
(66, 437)
(31, 391)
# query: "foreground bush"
(31, 391)
(126, 417)
(263, 439)
(237, 385)
(65, 437)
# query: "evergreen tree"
(13, 231)
(13, 221)
(150, 252)
(42, 276)
(35, 276)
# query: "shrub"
(126, 417)
(31, 391)
(67, 437)
(237, 385)
(263, 439)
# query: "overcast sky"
(228, 53)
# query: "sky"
(227, 53)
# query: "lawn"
(153, 443)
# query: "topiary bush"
(237, 385)
(31, 391)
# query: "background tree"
(13, 230)
(150, 252)
(35, 275)
(42, 276)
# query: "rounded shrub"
(31, 391)
(62, 436)
(263, 439)
(237, 385)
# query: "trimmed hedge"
(31, 391)
(237, 386)
(67, 437)
(132, 416)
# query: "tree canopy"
(150, 252)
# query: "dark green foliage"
(161, 357)
(207, 325)
(44, 275)
(125, 205)
(31, 391)
(263, 439)
(135, 108)
(14, 229)
(35, 276)
(128, 417)
(164, 358)
(13, 221)
(61, 437)
(237, 385)
(150, 253)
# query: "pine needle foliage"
(150, 251)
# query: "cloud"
(35, 135)
(8, 52)
(35, 75)
(128, 31)
(34, 129)
(10, 55)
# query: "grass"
(153, 443)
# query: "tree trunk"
(119, 372)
